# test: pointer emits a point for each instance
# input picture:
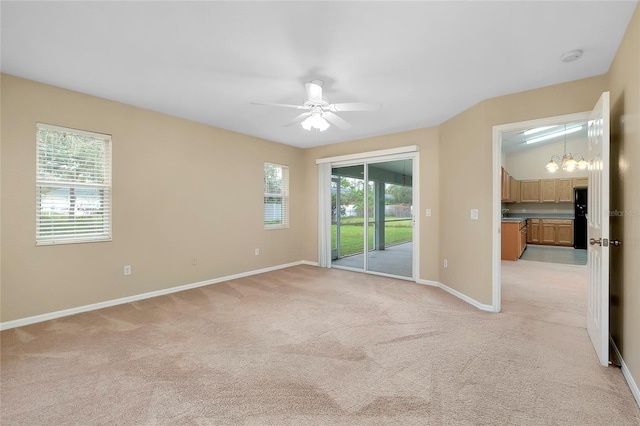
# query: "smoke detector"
(571, 56)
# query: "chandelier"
(568, 161)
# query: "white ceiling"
(206, 61)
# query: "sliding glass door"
(372, 217)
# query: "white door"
(598, 232)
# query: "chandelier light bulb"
(569, 164)
(583, 164)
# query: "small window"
(276, 196)
(73, 186)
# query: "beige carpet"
(311, 346)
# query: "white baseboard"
(626, 373)
(457, 294)
(92, 307)
(428, 282)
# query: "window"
(73, 186)
(276, 196)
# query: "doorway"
(499, 133)
(372, 217)
(366, 206)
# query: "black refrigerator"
(580, 221)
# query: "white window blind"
(276, 196)
(73, 186)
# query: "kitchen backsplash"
(539, 208)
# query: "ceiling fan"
(320, 113)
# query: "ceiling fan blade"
(297, 119)
(335, 120)
(354, 106)
(280, 105)
(314, 91)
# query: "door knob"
(616, 243)
(593, 241)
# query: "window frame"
(105, 233)
(284, 196)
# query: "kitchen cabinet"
(552, 232)
(564, 190)
(523, 237)
(514, 190)
(514, 239)
(547, 232)
(582, 182)
(505, 194)
(530, 191)
(548, 190)
(533, 231)
(564, 233)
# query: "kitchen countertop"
(525, 216)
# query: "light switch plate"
(474, 214)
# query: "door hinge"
(605, 242)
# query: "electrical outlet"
(428, 212)
(127, 270)
(445, 263)
(474, 214)
(194, 261)
(257, 252)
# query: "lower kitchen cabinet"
(533, 231)
(514, 239)
(551, 232)
(564, 233)
(548, 233)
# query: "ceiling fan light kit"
(320, 114)
(315, 121)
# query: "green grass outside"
(351, 234)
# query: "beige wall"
(624, 84)
(427, 141)
(466, 146)
(465, 172)
(181, 190)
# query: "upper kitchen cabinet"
(548, 190)
(581, 182)
(557, 190)
(506, 181)
(564, 190)
(530, 191)
(514, 190)
(542, 191)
